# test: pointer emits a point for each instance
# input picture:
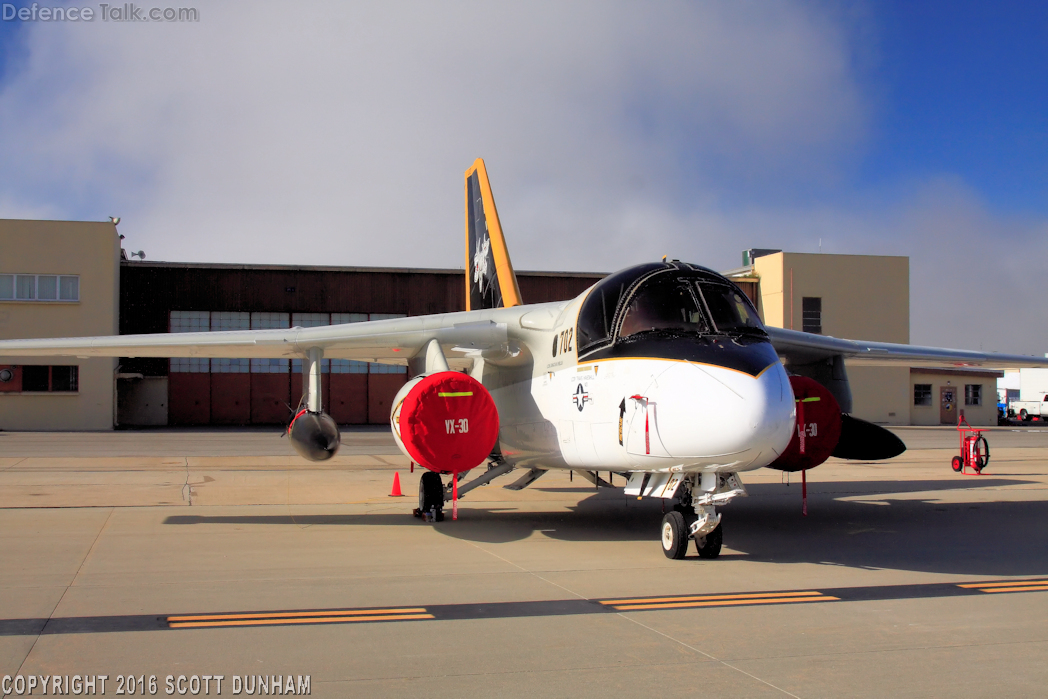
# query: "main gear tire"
(709, 546)
(674, 535)
(431, 494)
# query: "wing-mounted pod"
(312, 432)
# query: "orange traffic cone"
(396, 486)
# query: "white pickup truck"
(1026, 409)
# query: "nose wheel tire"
(431, 495)
(709, 546)
(674, 535)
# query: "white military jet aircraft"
(662, 372)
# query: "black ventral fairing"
(673, 310)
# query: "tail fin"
(490, 281)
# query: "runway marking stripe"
(299, 615)
(1029, 588)
(725, 603)
(299, 620)
(701, 598)
(1010, 583)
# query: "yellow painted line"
(725, 603)
(300, 620)
(460, 394)
(703, 598)
(1010, 583)
(1042, 588)
(306, 614)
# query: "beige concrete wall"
(977, 415)
(91, 251)
(864, 297)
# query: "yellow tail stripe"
(703, 598)
(301, 615)
(301, 620)
(455, 395)
(724, 603)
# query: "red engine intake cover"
(818, 424)
(448, 422)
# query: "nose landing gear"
(694, 515)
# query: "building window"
(39, 287)
(973, 394)
(39, 379)
(388, 369)
(922, 394)
(348, 366)
(190, 365)
(309, 320)
(190, 321)
(811, 314)
(340, 318)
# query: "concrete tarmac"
(218, 552)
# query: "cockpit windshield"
(663, 304)
(730, 311)
(673, 299)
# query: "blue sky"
(964, 90)
(613, 132)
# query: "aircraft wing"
(805, 348)
(391, 341)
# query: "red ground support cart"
(975, 450)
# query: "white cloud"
(338, 133)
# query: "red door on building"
(382, 389)
(270, 398)
(189, 398)
(230, 399)
(349, 398)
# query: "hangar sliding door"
(270, 378)
(189, 378)
(230, 378)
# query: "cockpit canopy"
(663, 298)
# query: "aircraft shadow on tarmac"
(860, 524)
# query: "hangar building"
(71, 278)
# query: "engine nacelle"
(445, 421)
(818, 426)
(314, 435)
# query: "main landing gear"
(430, 497)
(694, 515)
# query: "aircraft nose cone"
(707, 411)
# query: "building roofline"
(332, 268)
(984, 373)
